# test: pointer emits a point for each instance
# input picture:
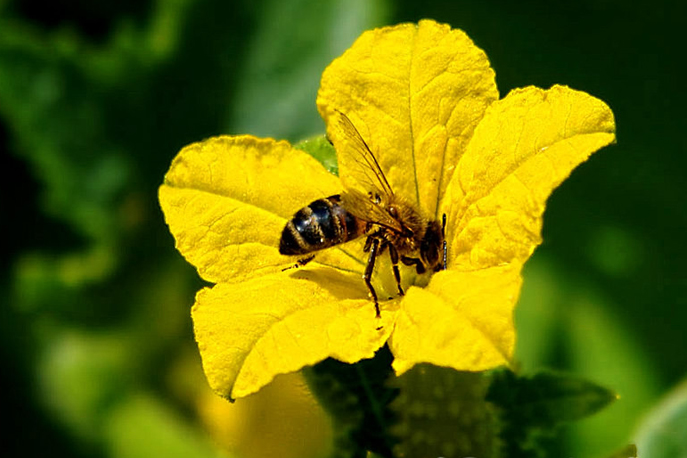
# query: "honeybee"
(389, 222)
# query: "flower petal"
(226, 201)
(415, 93)
(462, 320)
(252, 331)
(525, 146)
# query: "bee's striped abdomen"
(321, 224)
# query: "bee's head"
(433, 246)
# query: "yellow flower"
(424, 99)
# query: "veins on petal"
(324, 264)
(410, 116)
(479, 326)
(567, 118)
(358, 70)
(211, 224)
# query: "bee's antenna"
(443, 236)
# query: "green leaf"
(549, 398)
(533, 407)
(320, 148)
(663, 434)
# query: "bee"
(385, 218)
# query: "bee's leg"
(304, 261)
(419, 266)
(393, 254)
(443, 236)
(367, 276)
(300, 263)
(368, 244)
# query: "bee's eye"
(393, 211)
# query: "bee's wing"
(355, 156)
(366, 209)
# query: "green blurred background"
(96, 98)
